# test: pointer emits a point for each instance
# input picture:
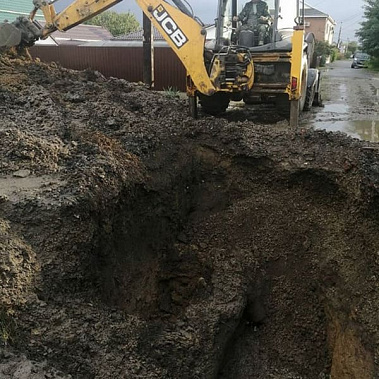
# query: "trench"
(281, 241)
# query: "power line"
(320, 2)
(355, 16)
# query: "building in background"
(320, 24)
(82, 34)
(10, 10)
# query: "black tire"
(304, 82)
(215, 104)
(309, 98)
(317, 101)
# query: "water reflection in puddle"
(336, 108)
(335, 117)
(365, 130)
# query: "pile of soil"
(137, 242)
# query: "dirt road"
(351, 99)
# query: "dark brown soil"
(138, 243)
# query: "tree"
(116, 23)
(369, 31)
(352, 47)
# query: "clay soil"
(136, 242)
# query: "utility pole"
(339, 37)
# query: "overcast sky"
(346, 12)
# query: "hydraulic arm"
(216, 73)
(184, 34)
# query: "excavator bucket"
(10, 35)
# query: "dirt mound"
(139, 243)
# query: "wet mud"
(136, 242)
(351, 99)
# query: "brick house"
(319, 23)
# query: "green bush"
(351, 48)
(323, 50)
(374, 64)
(334, 54)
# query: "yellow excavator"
(218, 70)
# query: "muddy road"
(351, 99)
(136, 242)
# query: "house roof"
(82, 33)
(10, 10)
(310, 11)
(138, 36)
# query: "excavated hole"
(286, 233)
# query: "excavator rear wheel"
(303, 93)
(215, 104)
(309, 99)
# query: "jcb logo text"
(169, 26)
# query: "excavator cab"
(284, 15)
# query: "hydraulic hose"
(183, 8)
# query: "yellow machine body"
(184, 34)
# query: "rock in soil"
(145, 244)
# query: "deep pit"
(157, 246)
(278, 244)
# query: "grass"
(7, 327)
(374, 64)
(172, 92)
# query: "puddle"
(342, 89)
(367, 130)
(335, 108)
(336, 117)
